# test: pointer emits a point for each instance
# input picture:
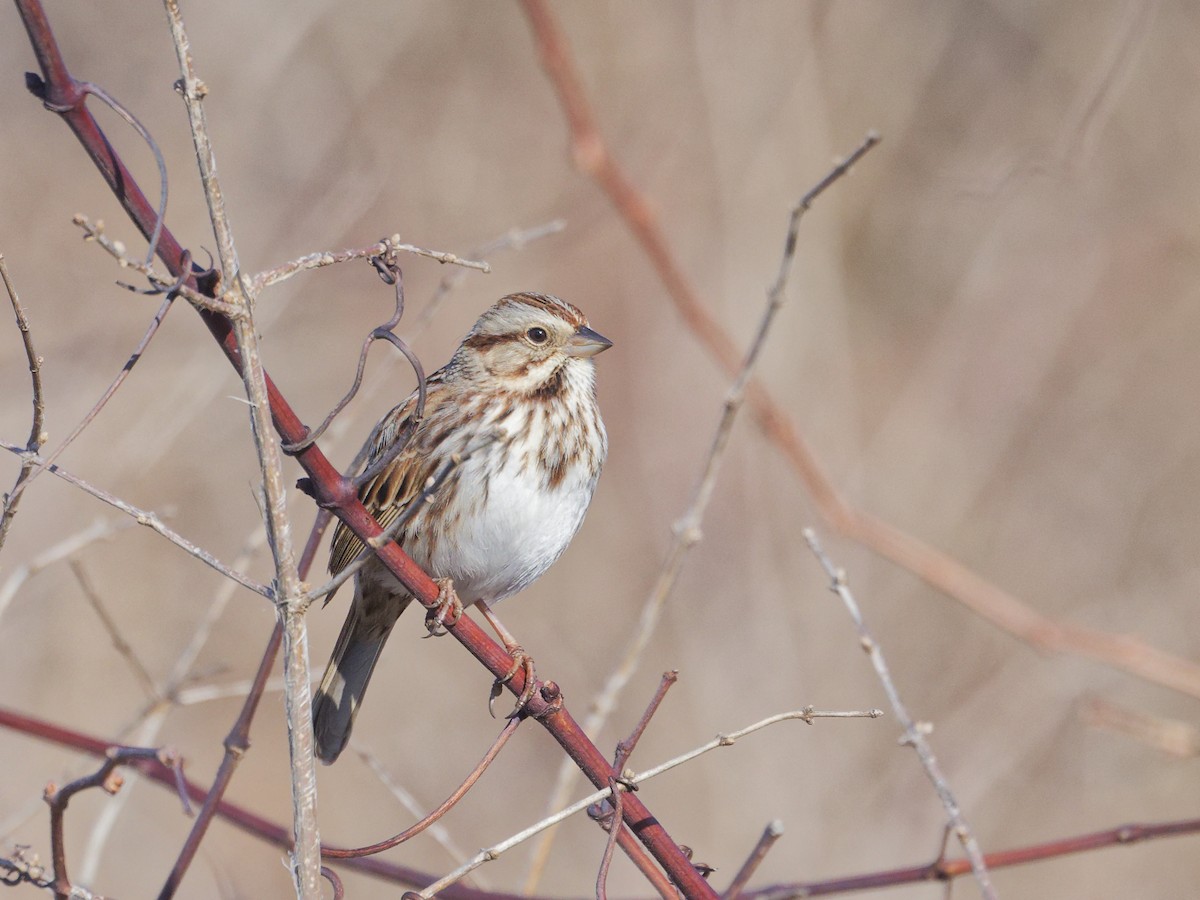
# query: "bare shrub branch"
(37, 436)
(144, 517)
(914, 732)
(289, 597)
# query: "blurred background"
(990, 342)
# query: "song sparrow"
(517, 401)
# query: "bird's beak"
(585, 343)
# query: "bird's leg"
(522, 661)
(449, 608)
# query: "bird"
(493, 482)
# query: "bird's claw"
(521, 662)
(448, 611)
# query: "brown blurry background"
(990, 342)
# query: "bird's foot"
(448, 611)
(521, 662)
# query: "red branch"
(939, 870)
(62, 94)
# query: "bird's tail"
(364, 633)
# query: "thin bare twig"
(119, 643)
(107, 778)
(914, 735)
(144, 517)
(615, 821)
(448, 804)
(686, 531)
(772, 833)
(289, 599)
(626, 746)
(405, 798)
(611, 813)
(37, 436)
(47, 461)
(94, 233)
(144, 133)
(808, 715)
(389, 270)
(938, 569)
(388, 246)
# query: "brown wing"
(392, 489)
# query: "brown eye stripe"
(484, 341)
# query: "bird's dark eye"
(537, 335)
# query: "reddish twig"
(330, 489)
(941, 571)
(107, 778)
(238, 816)
(626, 747)
(615, 822)
(940, 870)
(610, 812)
(945, 870)
(449, 803)
(339, 890)
(766, 841)
(237, 742)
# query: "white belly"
(514, 535)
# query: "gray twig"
(687, 528)
(36, 435)
(388, 246)
(147, 518)
(914, 732)
(289, 599)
